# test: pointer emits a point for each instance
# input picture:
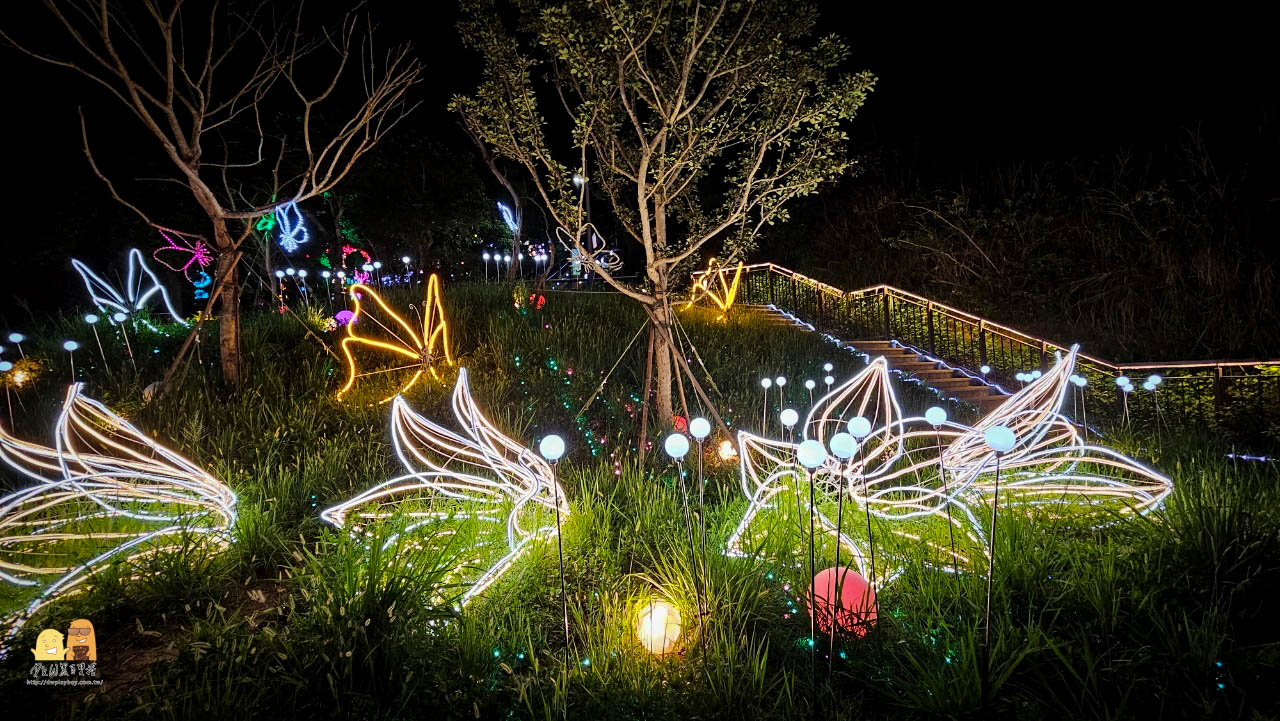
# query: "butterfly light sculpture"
(141, 286)
(481, 477)
(376, 328)
(105, 493)
(715, 285)
(603, 256)
(293, 230)
(911, 475)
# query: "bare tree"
(253, 110)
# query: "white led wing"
(142, 285)
(479, 475)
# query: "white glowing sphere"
(1155, 379)
(485, 256)
(302, 273)
(860, 427)
(279, 273)
(5, 366)
(325, 274)
(69, 345)
(935, 416)
(342, 274)
(676, 445)
(119, 317)
(829, 380)
(1036, 374)
(810, 384)
(506, 258)
(658, 627)
(16, 337)
(827, 367)
(404, 259)
(519, 256)
(289, 271)
(843, 446)
(1122, 381)
(1127, 388)
(367, 267)
(551, 447)
(1020, 377)
(811, 454)
(985, 370)
(1148, 386)
(1000, 439)
(700, 428)
(789, 417)
(91, 319)
(780, 380)
(765, 383)
(377, 264)
(1082, 382)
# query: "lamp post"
(1001, 440)
(552, 448)
(812, 454)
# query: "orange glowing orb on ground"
(658, 627)
(853, 610)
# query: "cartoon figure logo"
(82, 645)
(49, 646)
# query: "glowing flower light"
(106, 484)
(469, 478)
(416, 349)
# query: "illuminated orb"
(343, 317)
(658, 627)
(727, 450)
(856, 610)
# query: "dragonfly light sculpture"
(909, 473)
(481, 476)
(106, 492)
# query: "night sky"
(959, 91)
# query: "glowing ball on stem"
(1000, 439)
(860, 427)
(289, 271)
(676, 446)
(985, 370)
(780, 380)
(1122, 381)
(551, 447)
(1148, 386)
(70, 345)
(810, 384)
(854, 610)
(485, 257)
(91, 319)
(789, 417)
(119, 317)
(935, 416)
(811, 454)
(279, 273)
(325, 274)
(766, 383)
(843, 446)
(16, 337)
(700, 428)
(829, 380)
(377, 264)
(827, 367)
(5, 366)
(302, 274)
(405, 260)
(658, 627)
(1155, 379)
(1035, 375)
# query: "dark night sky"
(959, 89)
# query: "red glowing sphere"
(853, 609)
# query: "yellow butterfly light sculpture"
(376, 327)
(714, 283)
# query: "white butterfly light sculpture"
(141, 286)
(910, 474)
(106, 491)
(471, 478)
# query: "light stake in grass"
(552, 448)
(700, 428)
(935, 417)
(860, 428)
(677, 446)
(1000, 440)
(120, 318)
(843, 446)
(328, 292)
(5, 367)
(92, 320)
(70, 347)
(810, 385)
(766, 384)
(16, 339)
(811, 454)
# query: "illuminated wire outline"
(482, 468)
(110, 300)
(727, 294)
(99, 463)
(293, 231)
(422, 348)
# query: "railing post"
(819, 310)
(933, 350)
(888, 328)
(1044, 357)
(771, 278)
(1219, 388)
(982, 343)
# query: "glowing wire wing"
(142, 283)
(723, 294)
(105, 490)
(477, 474)
(380, 329)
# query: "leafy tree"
(697, 121)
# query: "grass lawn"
(1171, 615)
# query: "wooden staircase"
(952, 384)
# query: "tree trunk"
(662, 350)
(229, 309)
